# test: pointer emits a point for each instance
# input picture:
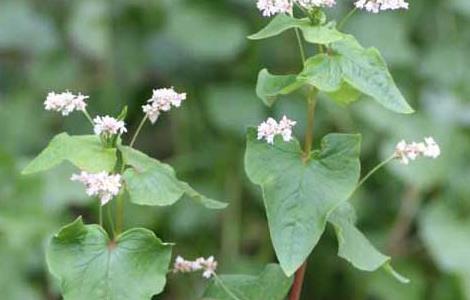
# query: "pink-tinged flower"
(162, 100)
(408, 152)
(376, 6)
(108, 126)
(270, 128)
(208, 266)
(65, 102)
(273, 7)
(309, 4)
(103, 185)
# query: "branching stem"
(136, 134)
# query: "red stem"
(296, 290)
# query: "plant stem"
(346, 18)
(225, 288)
(298, 283)
(111, 222)
(138, 130)
(119, 214)
(88, 117)
(371, 172)
(301, 47)
(101, 215)
(312, 103)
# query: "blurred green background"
(117, 51)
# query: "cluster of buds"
(162, 100)
(108, 126)
(406, 152)
(270, 128)
(208, 266)
(103, 185)
(376, 6)
(65, 102)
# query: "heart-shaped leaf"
(91, 266)
(271, 284)
(351, 69)
(84, 151)
(151, 182)
(269, 86)
(300, 194)
(318, 34)
(354, 247)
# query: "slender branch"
(296, 290)
(88, 117)
(101, 215)
(346, 18)
(138, 130)
(371, 172)
(225, 288)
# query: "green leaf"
(269, 86)
(323, 71)
(271, 284)
(91, 266)
(366, 71)
(278, 25)
(84, 151)
(151, 182)
(298, 195)
(318, 34)
(346, 94)
(354, 247)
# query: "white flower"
(65, 102)
(376, 6)
(308, 4)
(208, 266)
(406, 152)
(270, 128)
(267, 130)
(273, 7)
(162, 100)
(102, 184)
(108, 125)
(285, 128)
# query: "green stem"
(346, 18)
(301, 47)
(101, 215)
(88, 117)
(119, 214)
(312, 103)
(111, 222)
(225, 288)
(138, 130)
(371, 172)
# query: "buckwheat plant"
(305, 189)
(102, 261)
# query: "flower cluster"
(102, 184)
(273, 7)
(406, 152)
(65, 102)
(270, 128)
(108, 126)
(162, 100)
(308, 4)
(208, 266)
(376, 6)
